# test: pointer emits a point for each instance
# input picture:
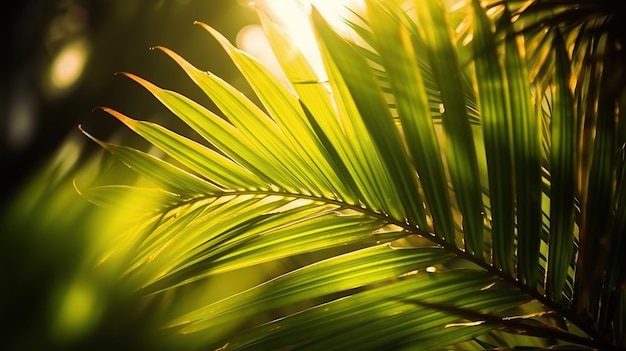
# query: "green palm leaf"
(384, 318)
(496, 122)
(331, 170)
(461, 156)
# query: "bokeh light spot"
(22, 119)
(68, 65)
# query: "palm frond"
(496, 198)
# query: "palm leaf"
(496, 122)
(460, 149)
(342, 273)
(407, 86)
(331, 170)
(563, 171)
(381, 319)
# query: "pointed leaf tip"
(121, 117)
(96, 140)
(216, 34)
(177, 58)
(75, 185)
(144, 83)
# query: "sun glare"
(252, 40)
(292, 17)
(336, 10)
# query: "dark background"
(119, 35)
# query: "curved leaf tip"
(96, 140)
(121, 117)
